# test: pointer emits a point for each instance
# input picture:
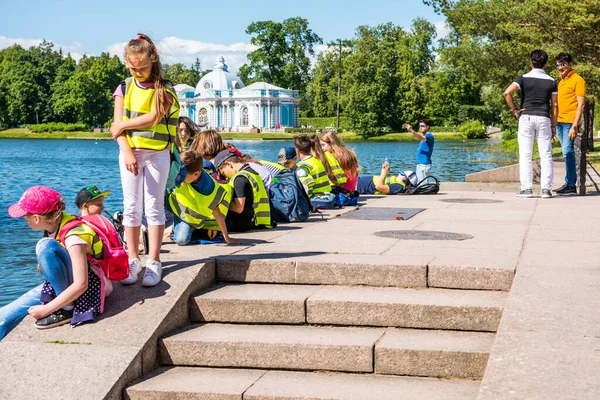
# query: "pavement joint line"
(525, 238)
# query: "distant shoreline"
(20, 133)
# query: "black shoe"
(560, 189)
(568, 191)
(55, 319)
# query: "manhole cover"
(382, 213)
(423, 235)
(471, 201)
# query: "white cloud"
(75, 49)
(442, 29)
(175, 50)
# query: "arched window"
(207, 85)
(202, 115)
(245, 116)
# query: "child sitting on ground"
(381, 184)
(310, 170)
(75, 288)
(200, 205)
(250, 207)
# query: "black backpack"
(429, 185)
(289, 201)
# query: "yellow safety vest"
(138, 101)
(196, 209)
(84, 232)
(317, 180)
(388, 181)
(261, 204)
(339, 173)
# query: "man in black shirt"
(538, 90)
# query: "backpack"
(426, 186)
(344, 197)
(289, 201)
(115, 261)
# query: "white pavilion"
(223, 101)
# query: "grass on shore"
(593, 156)
(22, 133)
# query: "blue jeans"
(55, 263)
(562, 131)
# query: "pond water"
(69, 165)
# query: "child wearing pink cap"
(75, 288)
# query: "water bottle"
(386, 163)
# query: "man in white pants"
(538, 90)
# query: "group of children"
(220, 190)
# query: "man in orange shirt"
(571, 100)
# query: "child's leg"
(182, 232)
(133, 198)
(11, 314)
(55, 264)
(156, 171)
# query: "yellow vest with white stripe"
(318, 174)
(138, 101)
(196, 209)
(261, 205)
(84, 232)
(339, 173)
(388, 181)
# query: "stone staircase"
(357, 331)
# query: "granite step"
(350, 306)
(238, 384)
(409, 271)
(395, 352)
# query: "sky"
(184, 30)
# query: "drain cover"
(423, 235)
(382, 213)
(471, 201)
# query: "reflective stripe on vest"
(317, 172)
(261, 204)
(194, 208)
(84, 232)
(339, 173)
(138, 101)
(279, 167)
(388, 181)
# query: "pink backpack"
(115, 262)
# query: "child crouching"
(74, 290)
(200, 204)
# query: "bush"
(322, 123)
(468, 113)
(509, 134)
(299, 130)
(472, 130)
(58, 127)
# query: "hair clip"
(138, 37)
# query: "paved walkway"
(547, 344)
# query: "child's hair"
(54, 217)
(143, 45)
(303, 143)
(208, 144)
(345, 155)
(193, 161)
(317, 151)
(192, 129)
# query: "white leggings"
(145, 193)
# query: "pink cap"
(36, 200)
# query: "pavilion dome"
(219, 79)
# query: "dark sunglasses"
(422, 125)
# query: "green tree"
(178, 73)
(282, 54)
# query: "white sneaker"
(135, 267)
(153, 273)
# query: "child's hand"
(116, 129)
(385, 168)
(231, 241)
(38, 312)
(130, 162)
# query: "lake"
(69, 165)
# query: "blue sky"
(186, 30)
